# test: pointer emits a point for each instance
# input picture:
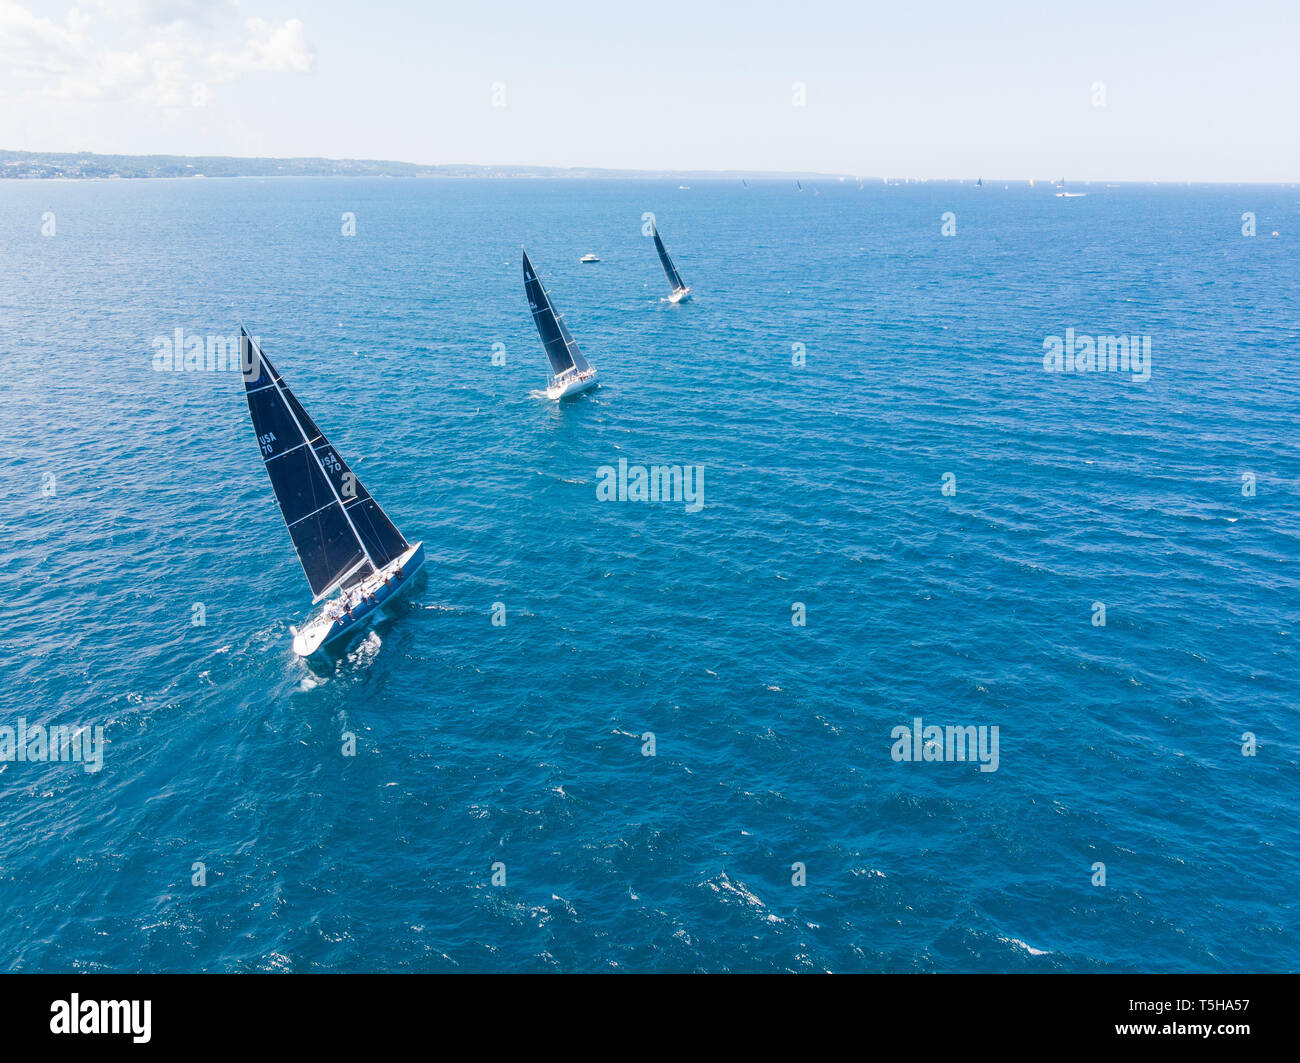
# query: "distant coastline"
(91, 166)
(85, 165)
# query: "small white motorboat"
(590, 257)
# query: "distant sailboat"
(979, 182)
(1063, 194)
(797, 186)
(744, 182)
(681, 290)
(344, 540)
(570, 371)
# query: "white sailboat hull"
(321, 632)
(680, 295)
(571, 385)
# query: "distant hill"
(87, 165)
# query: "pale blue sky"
(999, 88)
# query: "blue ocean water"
(134, 496)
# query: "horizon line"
(547, 170)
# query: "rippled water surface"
(134, 496)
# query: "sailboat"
(1063, 194)
(571, 372)
(345, 541)
(797, 186)
(979, 182)
(681, 290)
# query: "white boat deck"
(334, 620)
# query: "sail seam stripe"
(284, 452)
(312, 514)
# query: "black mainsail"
(674, 278)
(340, 532)
(561, 347)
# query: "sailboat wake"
(366, 650)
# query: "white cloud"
(155, 12)
(274, 49)
(147, 52)
(32, 45)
